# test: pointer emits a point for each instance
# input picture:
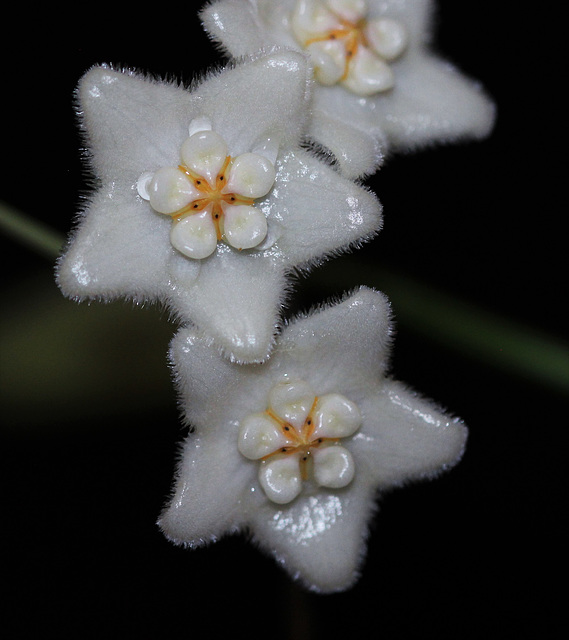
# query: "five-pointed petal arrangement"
(206, 200)
(380, 88)
(294, 449)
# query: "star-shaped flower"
(206, 201)
(294, 450)
(380, 88)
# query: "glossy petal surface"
(319, 536)
(431, 100)
(121, 246)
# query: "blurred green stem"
(480, 334)
(454, 323)
(30, 232)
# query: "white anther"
(205, 153)
(267, 147)
(169, 190)
(350, 10)
(195, 235)
(328, 59)
(387, 37)
(143, 183)
(292, 401)
(244, 226)
(281, 478)
(369, 74)
(310, 19)
(335, 417)
(203, 123)
(260, 436)
(333, 466)
(251, 175)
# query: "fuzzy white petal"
(415, 438)
(431, 102)
(122, 246)
(236, 296)
(322, 208)
(199, 512)
(319, 537)
(103, 257)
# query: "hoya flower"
(379, 85)
(294, 451)
(206, 201)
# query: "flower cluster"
(209, 205)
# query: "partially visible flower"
(294, 450)
(347, 48)
(380, 87)
(205, 199)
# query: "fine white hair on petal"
(317, 533)
(136, 125)
(431, 102)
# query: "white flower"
(394, 94)
(324, 395)
(159, 149)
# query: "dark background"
(90, 424)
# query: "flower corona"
(298, 430)
(346, 47)
(210, 195)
